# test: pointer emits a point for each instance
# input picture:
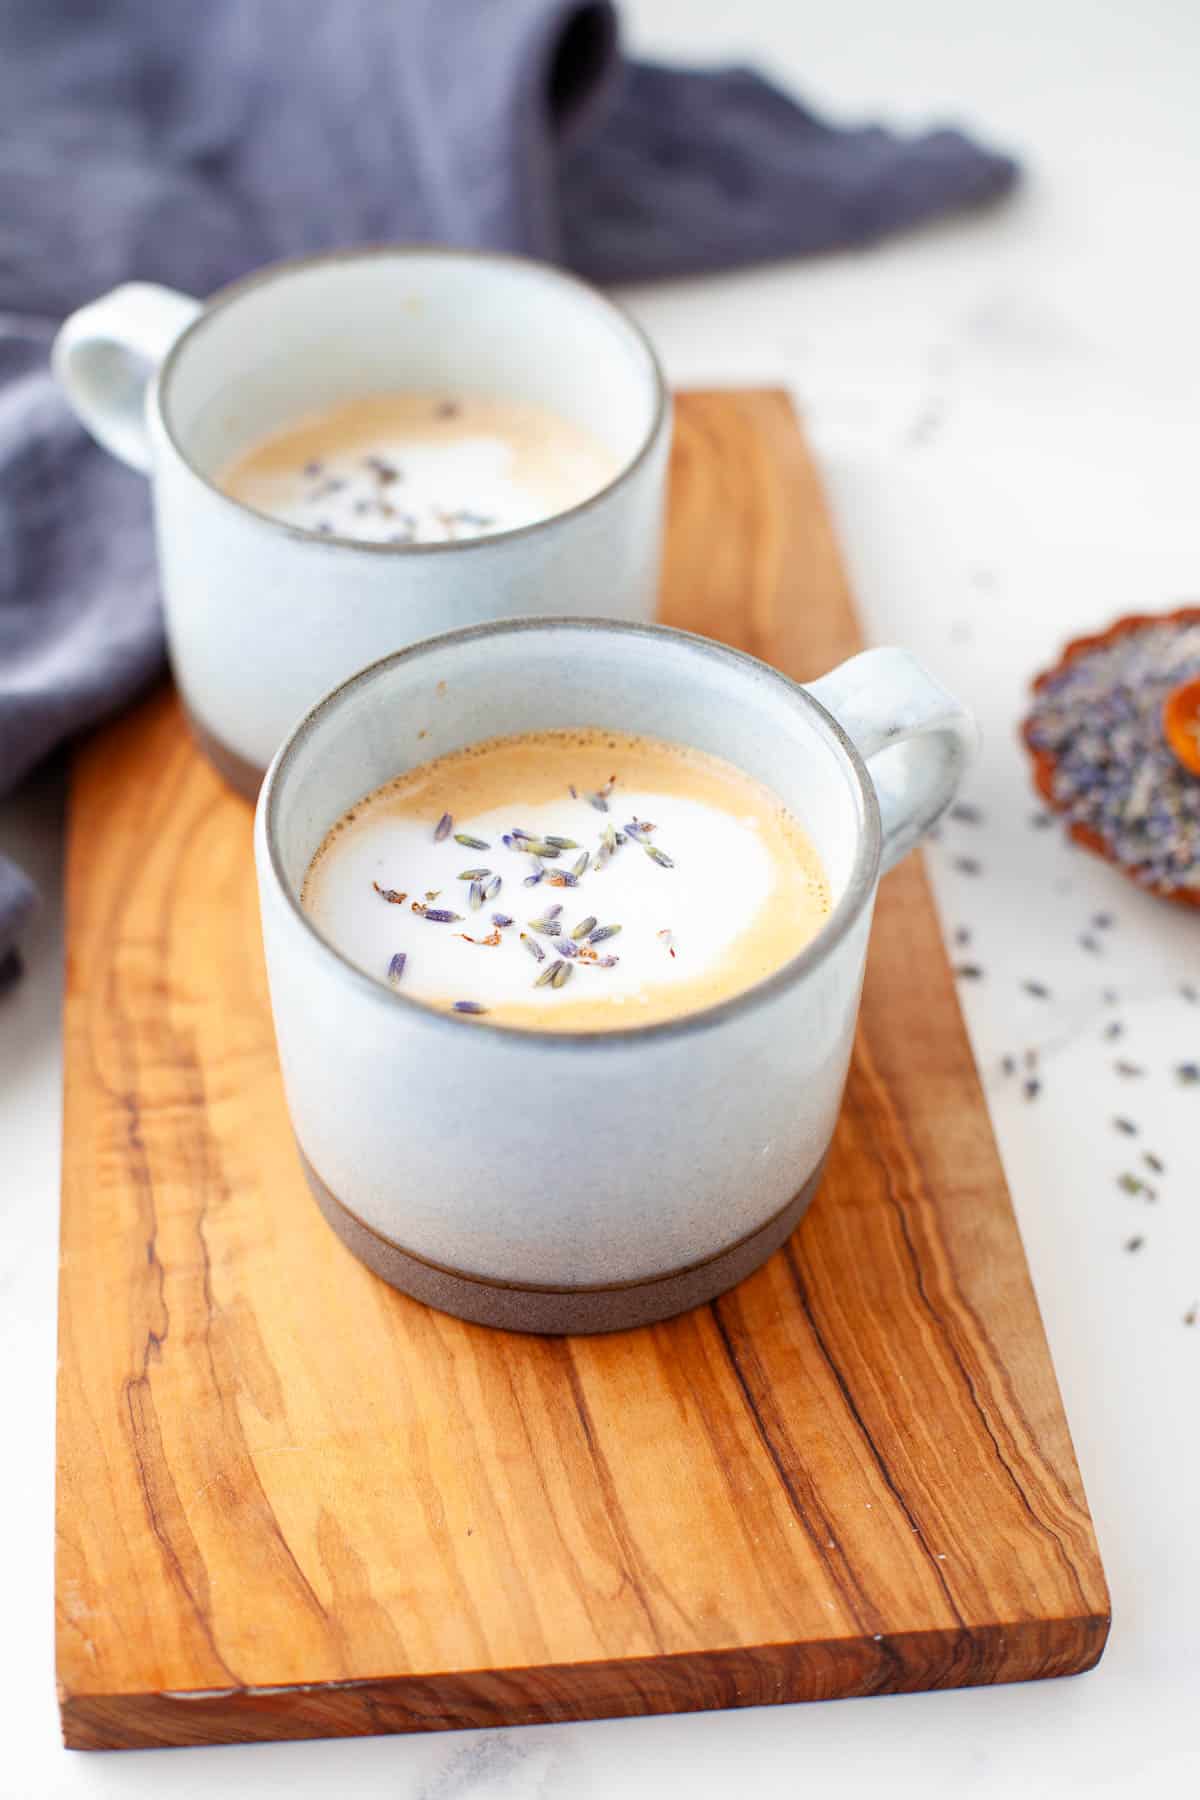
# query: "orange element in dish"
(1181, 723)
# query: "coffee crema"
(420, 468)
(569, 880)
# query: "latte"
(570, 881)
(420, 469)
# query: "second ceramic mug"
(263, 617)
(553, 1181)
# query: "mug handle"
(106, 355)
(915, 738)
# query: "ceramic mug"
(263, 617)
(560, 1182)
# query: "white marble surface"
(1007, 411)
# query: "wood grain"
(293, 1503)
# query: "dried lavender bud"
(396, 966)
(442, 828)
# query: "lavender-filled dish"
(1114, 733)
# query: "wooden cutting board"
(293, 1503)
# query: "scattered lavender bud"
(602, 932)
(584, 926)
(439, 916)
(443, 828)
(502, 920)
(468, 842)
(534, 948)
(492, 888)
(469, 1006)
(396, 966)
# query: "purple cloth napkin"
(187, 144)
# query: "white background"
(1006, 408)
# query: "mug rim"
(234, 291)
(860, 885)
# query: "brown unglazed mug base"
(556, 1311)
(242, 775)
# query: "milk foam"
(418, 468)
(745, 892)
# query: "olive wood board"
(294, 1503)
